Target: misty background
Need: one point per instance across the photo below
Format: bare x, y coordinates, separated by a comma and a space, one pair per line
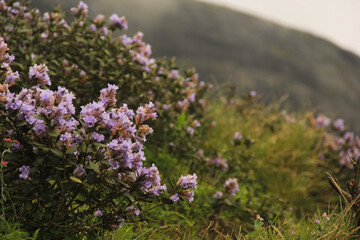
250, 53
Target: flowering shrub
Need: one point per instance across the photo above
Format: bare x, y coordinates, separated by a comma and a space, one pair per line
78, 169
84, 57
341, 146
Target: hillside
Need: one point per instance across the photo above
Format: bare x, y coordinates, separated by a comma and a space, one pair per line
229, 46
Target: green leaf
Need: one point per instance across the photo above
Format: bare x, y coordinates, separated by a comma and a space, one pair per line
94, 166
75, 179
54, 133
181, 120
129, 196
57, 152
110, 181
100, 145
22, 123
36, 234
39, 117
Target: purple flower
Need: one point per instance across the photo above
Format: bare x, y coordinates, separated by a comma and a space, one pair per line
188, 195
40, 128
118, 21
99, 18
326, 216
339, 124
150, 180
63, 23
67, 140
89, 121
98, 213
195, 124
45, 35
191, 97
93, 27
237, 136
174, 198
231, 186
39, 72
317, 221
174, 74
218, 195
11, 77
98, 137
252, 94
133, 211
322, 121
114, 164
190, 130
108, 95
79, 171
81, 9
220, 162
182, 105
166, 107
145, 113
104, 31
25, 172
17, 147
188, 181
157, 190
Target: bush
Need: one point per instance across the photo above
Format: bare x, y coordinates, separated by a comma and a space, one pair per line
80, 171
84, 57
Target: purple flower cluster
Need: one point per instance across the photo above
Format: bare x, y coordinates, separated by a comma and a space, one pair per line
145, 113
188, 181
108, 95
5, 58
81, 9
39, 72
149, 179
98, 213
56, 106
339, 125
218, 195
185, 183
25, 172
139, 51
344, 143
231, 186
237, 136
174, 197
119, 22
322, 121
79, 171
220, 162
132, 211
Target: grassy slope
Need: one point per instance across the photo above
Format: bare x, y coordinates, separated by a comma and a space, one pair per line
281, 167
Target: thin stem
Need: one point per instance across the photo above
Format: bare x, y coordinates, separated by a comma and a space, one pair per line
160, 204
2, 181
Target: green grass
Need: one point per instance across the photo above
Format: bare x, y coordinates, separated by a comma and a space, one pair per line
279, 172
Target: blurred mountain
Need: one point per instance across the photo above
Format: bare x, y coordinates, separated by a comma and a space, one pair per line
249, 52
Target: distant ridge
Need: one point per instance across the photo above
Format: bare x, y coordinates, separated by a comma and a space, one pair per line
251, 53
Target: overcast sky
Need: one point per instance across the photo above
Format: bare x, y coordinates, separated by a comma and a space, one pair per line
336, 20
